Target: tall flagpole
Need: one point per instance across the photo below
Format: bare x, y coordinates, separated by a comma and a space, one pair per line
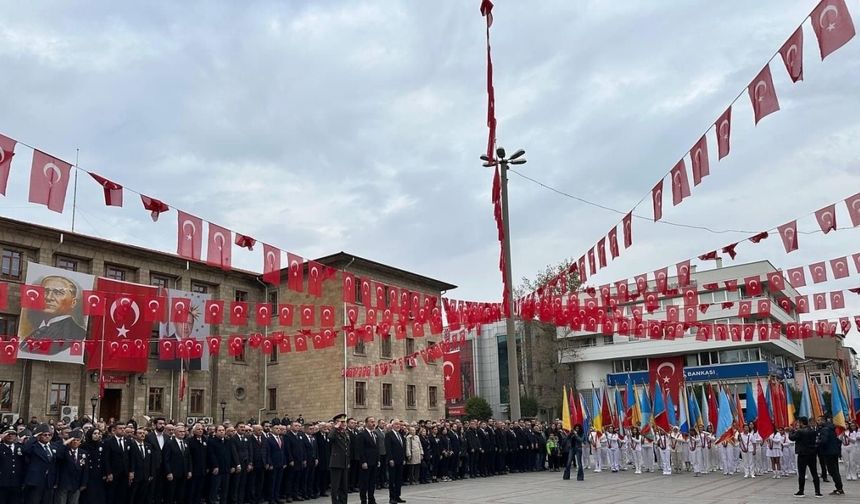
75, 191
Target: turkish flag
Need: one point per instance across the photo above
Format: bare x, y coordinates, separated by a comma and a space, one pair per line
736, 331
802, 304
601, 252
792, 330
690, 315
7, 151
213, 343
657, 200
620, 292
796, 277
763, 95
583, 276
709, 256
315, 278
792, 55
352, 314
837, 300
826, 218
255, 340
9, 351
155, 309
348, 287
179, 309
295, 278
819, 301
703, 332
788, 233
245, 241
417, 330
627, 224
452, 373
745, 309
112, 190
818, 272
236, 346
775, 281
853, 204
393, 298
364, 285
284, 344
832, 25
307, 315
753, 285
845, 324
370, 316
189, 236
839, 266
123, 321
32, 297
272, 265
724, 131
49, 180
94, 303
592, 264
266, 347
263, 314
730, 250
691, 296
301, 343
764, 307
218, 250
214, 312
682, 270
641, 283
661, 277
671, 313
327, 316
667, 373
156, 207
238, 313
680, 183
763, 332
699, 160
167, 349
285, 314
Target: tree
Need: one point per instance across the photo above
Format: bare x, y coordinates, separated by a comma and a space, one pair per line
477, 408
528, 406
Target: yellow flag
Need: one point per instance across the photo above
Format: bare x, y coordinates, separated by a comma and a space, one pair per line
565, 410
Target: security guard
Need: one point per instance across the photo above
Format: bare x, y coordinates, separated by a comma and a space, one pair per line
11, 468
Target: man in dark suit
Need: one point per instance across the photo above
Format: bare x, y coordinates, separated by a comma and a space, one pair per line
156, 439
218, 462
311, 460
280, 456
297, 464
141, 465
322, 474
41, 461
177, 467
395, 450
261, 462
338, 462
241, 445
11, 468
382, 474
352, 429
367, 449
198, 447
473, 446
72, 466
116, 465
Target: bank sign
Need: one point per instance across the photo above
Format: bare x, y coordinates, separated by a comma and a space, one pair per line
700, 373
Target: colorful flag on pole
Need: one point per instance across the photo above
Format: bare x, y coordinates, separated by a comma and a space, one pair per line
751, 412
565, 410
789, 404
661, 417
805, 401
724, 418
683, 410
838, 405
670, 411
764, 424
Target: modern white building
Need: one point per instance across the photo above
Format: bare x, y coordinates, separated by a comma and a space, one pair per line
613, 360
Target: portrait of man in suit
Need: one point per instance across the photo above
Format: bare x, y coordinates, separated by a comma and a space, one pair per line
57, 322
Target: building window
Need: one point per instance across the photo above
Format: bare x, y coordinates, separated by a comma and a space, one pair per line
410, 346
272, 399
273, 357
358, 299
154, 337
66, 263
272, 298
629, 365
360, 349
155, 402
196, 401
709, 358
430, 344
58, 397
6, 391
387, 390
8, 325
240, 295
115, 273
387, 298
162, 281
584, 342
410, 397
608, 340
385, 347
199, 288
240, 357
13, 261
433, 397
360, 394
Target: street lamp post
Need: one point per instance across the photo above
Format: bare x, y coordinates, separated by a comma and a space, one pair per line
513, 364
94, 400
223, 408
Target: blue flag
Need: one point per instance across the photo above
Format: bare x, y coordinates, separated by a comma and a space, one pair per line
752, 412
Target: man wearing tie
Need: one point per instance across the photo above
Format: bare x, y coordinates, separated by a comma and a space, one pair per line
73, 467
297, 464
141, 466
261, 461
41, 467
279, 455
11, 468
395, 450
177, 467
116, 465
156, 440
368, 458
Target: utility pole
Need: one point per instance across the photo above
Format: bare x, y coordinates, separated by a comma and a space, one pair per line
510, 328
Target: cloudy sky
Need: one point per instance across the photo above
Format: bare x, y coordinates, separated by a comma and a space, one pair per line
322, 126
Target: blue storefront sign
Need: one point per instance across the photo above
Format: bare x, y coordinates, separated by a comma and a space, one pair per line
621, 379
726, 371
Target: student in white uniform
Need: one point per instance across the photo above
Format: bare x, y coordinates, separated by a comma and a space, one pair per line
634, 442
676, 441
696, 453
648, 454
758, 459
613, 444
850, 447
711, 455
726, 450
594, 442
665, 450
624, 456
747, 447
774, 453
789, 461
603, 449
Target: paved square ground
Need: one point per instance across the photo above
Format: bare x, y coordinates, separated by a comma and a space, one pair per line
624, 487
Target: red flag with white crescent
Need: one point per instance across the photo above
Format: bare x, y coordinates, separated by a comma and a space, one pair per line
657, 200
348, 281
49, 181
7, 151
112, 190
179, 308
627, 224
826, 218
189, 236
699, 160
124, 320
238, 313
9, 351
214, 311
154, 206
792, 55
32, 297
271, 265
285, 314
839, 266
724, 132
451, 373
763, 94
219, 251
788, 233
94, 303
832, 25
680, 183
853, 204
315, 278
263, 314
295, 280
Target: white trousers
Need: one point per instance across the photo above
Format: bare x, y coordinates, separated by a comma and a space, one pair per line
637, 460
666, 460
748, 465
615, 459
648, 458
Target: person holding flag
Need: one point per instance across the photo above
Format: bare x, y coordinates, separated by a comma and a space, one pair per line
613, 443
663, 447
789, 464
748, 447
649, 455
696, 456
635, 441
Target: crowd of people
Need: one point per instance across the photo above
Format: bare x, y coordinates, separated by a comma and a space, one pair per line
284, 460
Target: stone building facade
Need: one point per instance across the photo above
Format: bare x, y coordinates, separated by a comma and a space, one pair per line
251, 386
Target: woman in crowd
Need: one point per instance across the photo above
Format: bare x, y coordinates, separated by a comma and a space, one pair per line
95, 453
426, 455
774, 453
443, 447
